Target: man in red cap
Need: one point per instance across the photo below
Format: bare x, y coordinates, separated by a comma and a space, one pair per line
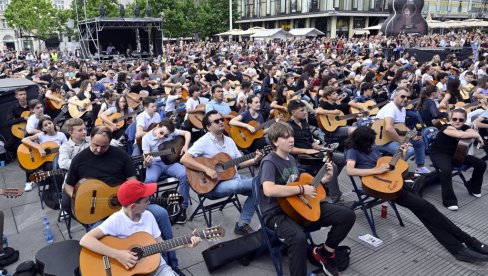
133, 195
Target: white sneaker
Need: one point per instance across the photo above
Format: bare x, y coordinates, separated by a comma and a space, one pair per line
453, 208
28, 186
476, 195
422, 170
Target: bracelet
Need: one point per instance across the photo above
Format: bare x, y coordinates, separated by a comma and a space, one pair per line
302, 190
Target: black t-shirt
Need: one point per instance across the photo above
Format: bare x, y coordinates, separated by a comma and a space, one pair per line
444, 143
280, 171
333, 106
138, 88
303, 136
209, 77
112, 167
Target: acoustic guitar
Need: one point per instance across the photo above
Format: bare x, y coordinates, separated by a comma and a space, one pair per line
244, 138
382, 137
371, 106
197, 117
30, 158
42, 175
468, 107
184, 91
462, 149
223, 164
330, 123
134, 99
169, 151
18, 130
405, 16
75, 111
227, 119
11, 192
117, 118
388, 185
93, 200
142, 243
292, 96
54, 105
302, 208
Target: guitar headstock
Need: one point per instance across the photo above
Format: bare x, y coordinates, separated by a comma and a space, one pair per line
174, 198
267, 149
11, 192
212, 233
38, 176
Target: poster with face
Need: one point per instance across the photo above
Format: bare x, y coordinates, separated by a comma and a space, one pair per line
405, 17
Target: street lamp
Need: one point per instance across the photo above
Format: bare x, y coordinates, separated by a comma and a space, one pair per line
230, 19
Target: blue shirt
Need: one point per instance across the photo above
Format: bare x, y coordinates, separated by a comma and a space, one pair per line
222, 108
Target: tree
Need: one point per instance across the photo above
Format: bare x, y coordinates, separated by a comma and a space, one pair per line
92, 8
213, 16
35, 17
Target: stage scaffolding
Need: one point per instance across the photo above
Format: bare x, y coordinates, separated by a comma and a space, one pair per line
90, 29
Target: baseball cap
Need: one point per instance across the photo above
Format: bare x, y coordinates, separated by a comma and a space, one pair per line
133, 190
181, 69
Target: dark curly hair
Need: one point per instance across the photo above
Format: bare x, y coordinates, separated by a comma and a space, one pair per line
362, 139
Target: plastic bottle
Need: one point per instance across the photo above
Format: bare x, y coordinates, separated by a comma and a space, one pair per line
48, 234
384, 210
5, 241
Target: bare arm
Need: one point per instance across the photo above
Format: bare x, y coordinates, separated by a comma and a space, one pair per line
390, 129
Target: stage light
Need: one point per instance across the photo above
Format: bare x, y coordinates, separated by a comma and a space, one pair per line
101, 10
136, 10
121, 10
148, 11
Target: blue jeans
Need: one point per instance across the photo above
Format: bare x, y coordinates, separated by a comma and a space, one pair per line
238, 185
418, 149
177, 170
162, 219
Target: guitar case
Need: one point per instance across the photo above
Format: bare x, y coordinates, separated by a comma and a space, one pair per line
243, 249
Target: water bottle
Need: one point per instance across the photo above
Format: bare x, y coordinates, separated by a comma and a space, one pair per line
48, 234
5, 241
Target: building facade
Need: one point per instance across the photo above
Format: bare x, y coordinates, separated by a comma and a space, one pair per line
341, 17
10, 39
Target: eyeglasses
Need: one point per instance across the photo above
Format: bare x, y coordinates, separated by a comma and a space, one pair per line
461, 120
405, 96
218, 121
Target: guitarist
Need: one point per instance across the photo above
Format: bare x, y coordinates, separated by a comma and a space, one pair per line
280, 168
145, 119
85, 93
443, 149
212, 143
395, 112
361, 157
155, 167
37, 112
113, 166
123, 109
132, 218
329, 106
191, 105
14, 116
252, 114
304, 144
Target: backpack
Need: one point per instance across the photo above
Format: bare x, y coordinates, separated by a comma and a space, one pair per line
27, 268
9, 257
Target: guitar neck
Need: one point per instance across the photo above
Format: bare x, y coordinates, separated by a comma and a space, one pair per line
239, 160
166, 245
377, 105
318, 177
265, 125
161, 152
126, 116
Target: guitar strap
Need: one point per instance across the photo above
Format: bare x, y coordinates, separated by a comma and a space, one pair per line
106, 264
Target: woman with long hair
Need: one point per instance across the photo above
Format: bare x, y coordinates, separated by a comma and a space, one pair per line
427, 107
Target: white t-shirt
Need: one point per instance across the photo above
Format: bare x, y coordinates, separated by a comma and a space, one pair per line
144, 120
121, 226
392, 111
59, 138
171, 103
150, 143
192, 104
33, 122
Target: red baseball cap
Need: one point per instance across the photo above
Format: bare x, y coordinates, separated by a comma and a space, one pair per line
133, 190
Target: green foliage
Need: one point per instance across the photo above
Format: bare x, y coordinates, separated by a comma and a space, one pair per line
37, 17
91, 7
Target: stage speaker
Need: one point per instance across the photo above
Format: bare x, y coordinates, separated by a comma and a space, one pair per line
148, 11
136, 10
121, 10
101, 10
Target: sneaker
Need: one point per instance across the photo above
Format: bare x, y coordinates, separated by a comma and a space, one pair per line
328, 263
181, 219
477, 246
243, 230
475, 195
422, 170
179, 272
28, 186
470, 256
453, 208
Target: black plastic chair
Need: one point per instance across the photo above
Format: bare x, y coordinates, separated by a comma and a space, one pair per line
207, 209
366, 203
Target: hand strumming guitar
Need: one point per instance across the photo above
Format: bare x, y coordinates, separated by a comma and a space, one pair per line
127, 258
381, 169
310, 191
211, 173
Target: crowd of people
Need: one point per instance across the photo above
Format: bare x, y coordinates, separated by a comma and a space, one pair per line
306, 94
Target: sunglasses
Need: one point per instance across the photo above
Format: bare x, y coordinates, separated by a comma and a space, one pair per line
218, 121
461, 120
405, 96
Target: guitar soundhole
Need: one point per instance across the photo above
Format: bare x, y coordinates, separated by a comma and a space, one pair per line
219, 167
114, 202
138, 251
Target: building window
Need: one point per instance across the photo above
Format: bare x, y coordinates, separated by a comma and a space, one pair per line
59, 4
3, 5
4, 24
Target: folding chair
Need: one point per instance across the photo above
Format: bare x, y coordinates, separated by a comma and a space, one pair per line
206, 209
274, 245
366, 202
